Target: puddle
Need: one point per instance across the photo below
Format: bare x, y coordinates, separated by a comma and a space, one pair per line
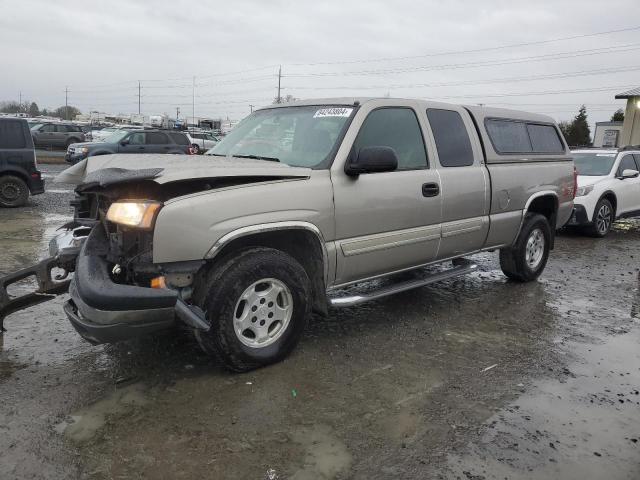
583, 425
325, 456
86, 423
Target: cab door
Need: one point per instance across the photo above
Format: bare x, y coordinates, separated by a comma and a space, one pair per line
465, 184
628, 189
387, 221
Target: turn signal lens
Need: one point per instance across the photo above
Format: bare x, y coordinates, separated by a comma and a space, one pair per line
158, 282
134, 214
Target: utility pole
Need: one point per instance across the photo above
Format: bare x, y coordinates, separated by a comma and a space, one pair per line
139, 96
193, 104
279, 100
177, 113
66, 103
251, 107
20, 102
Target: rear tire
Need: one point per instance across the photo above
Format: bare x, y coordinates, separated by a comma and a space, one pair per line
195, 148
13, 191
257, 305
526, 259
603, 217
71, 141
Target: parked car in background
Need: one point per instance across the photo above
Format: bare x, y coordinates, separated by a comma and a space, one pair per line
243, 246
56, 134
608, 188
19, 175
201, 141
131, 141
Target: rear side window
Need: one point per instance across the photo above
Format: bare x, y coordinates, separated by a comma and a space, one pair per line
179, 138
544, 138
452, 139
12, 134
397, 128
508, 136
156, 138
62, 129
48, 128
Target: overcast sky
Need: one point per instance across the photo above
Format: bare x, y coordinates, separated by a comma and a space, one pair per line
326, 48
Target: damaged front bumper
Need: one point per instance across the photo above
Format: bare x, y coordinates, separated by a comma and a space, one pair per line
101, 310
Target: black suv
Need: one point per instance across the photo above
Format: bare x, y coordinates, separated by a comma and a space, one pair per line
132, 141
56, 134
18, 172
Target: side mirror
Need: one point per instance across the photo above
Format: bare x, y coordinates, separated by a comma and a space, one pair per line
124, 142
629, 173
372, 160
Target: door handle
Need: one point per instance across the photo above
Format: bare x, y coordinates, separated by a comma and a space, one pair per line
430, 189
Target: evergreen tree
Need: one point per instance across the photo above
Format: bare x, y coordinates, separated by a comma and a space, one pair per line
618, 116
34, 111
580, 133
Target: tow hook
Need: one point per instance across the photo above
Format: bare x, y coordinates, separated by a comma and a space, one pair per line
48, 287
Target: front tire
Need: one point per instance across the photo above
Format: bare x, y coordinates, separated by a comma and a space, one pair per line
603, 217
13, 191
257, 305
526, 259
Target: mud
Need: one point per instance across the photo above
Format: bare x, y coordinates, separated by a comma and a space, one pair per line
399, 388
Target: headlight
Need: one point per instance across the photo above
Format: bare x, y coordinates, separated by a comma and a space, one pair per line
84, 149
138, 214
582, 191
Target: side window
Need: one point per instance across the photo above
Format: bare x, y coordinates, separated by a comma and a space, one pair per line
11, 134
62, 129
627, 163
452, 138
179, 138
544, 138
397, 128
136, 138
49, 128
508, 136
156, 138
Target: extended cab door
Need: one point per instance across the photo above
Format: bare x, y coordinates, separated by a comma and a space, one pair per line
386, 221
464, 181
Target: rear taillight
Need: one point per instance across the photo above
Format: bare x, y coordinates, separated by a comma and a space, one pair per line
575, 181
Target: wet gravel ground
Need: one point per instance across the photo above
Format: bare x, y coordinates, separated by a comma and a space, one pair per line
474, 378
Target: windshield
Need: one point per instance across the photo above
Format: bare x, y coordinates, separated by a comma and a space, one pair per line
594, 163
116, 137
297, 136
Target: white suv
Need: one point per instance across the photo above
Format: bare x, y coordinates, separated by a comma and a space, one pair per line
608, 188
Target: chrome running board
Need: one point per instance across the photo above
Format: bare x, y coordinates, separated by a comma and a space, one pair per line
461, 267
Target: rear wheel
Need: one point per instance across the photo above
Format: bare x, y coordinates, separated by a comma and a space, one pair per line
526, 259
603, 217
257, 305
195, 148
71, 141
13, 191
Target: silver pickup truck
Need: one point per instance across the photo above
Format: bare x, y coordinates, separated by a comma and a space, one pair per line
297, 202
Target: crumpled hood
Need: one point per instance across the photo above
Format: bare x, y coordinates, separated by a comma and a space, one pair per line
162, 168
584, 180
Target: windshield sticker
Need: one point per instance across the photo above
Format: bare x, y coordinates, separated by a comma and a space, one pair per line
333, 112
605, 154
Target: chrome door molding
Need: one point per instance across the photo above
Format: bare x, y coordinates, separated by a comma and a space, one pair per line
386, 240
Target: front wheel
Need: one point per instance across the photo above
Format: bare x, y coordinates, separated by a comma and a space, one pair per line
526, 259
602, 219
13, 191
257, 305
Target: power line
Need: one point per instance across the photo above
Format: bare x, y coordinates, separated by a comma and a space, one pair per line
483, 63
551, 76
475, 50
548, 92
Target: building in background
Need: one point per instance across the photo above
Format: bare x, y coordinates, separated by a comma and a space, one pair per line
607, 134
631, 128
